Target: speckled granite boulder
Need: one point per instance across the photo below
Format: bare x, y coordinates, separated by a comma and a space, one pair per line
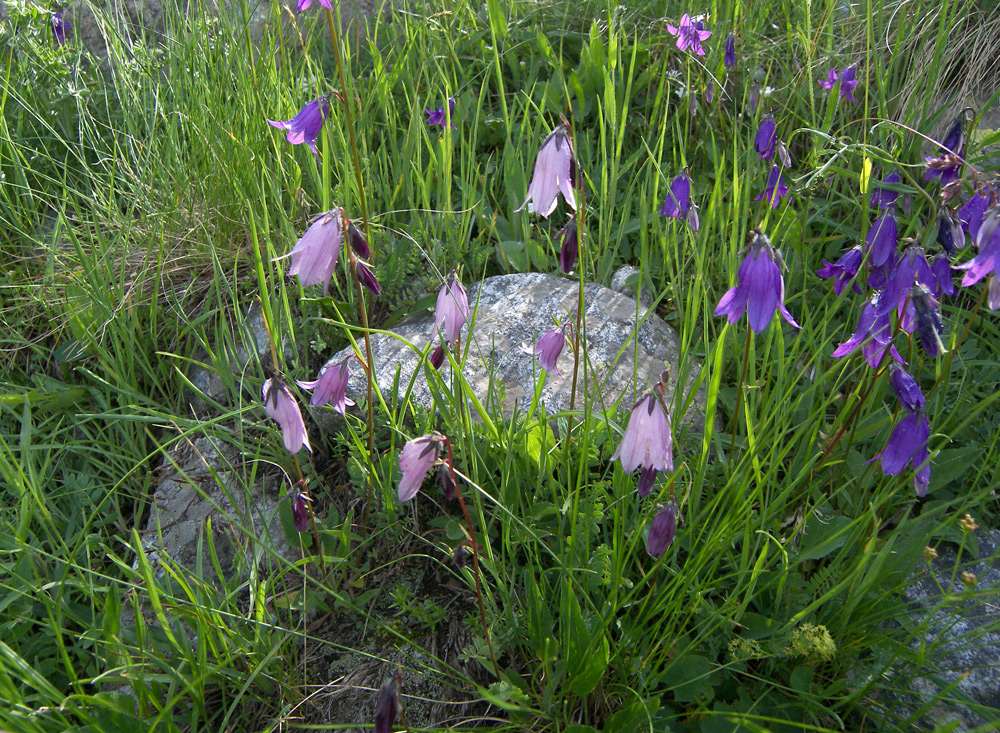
960, 628
510, 310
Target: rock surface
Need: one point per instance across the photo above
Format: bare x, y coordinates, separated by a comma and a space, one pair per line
511, 310
960, 627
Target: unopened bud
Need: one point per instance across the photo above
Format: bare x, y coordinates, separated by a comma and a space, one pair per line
930, 554
968, 524
969, 579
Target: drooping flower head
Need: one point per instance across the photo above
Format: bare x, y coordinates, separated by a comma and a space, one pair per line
647, 442
315, 254
438, 117
662, 530
907, 390
570, 247
908, 445
776, 188
280, 406
548, 348
729, 58
760, 290
358, 242
416, 460
925, 308
882, 238
883, 198
306, 125
452, 310
844, 270
304, 4
911, 267
950, 232
766, 137
365, 274
555, 173
873, 335
300, 508
679, 197
689, 35
987, 262
60, 27
848, 83
947, 164
388, 701
331, 386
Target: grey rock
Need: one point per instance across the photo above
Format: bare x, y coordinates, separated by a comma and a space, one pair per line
202, 483
961, 628
511, 310
620, 284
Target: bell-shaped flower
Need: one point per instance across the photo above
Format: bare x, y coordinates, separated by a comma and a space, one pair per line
883, 198
844, 270
416, 460
647, 441
760, 289
280, 406
776, 188
315, 254
766, 137
882, 238
452, 309
943, 282
911, 267
304, 4
331, 386
830, 81
907, 445
306, 125
950, 234
925, 309
689, 35
873, 335
907, 390
662, 530
548, 348
848, 83
971, 214
438, 117
60, 27
555, 173
729, 57
678, 198
987, 240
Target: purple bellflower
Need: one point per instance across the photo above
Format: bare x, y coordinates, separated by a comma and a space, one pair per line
729, 57
304, 4
848, 83
306, 125
358, 242
60, 27
315, 254
678, 200
882, 238
555, 173
766, 137
987, 262
331, 386
452, 310
873, 335
548, 348
300, 510
662, 530
925, 308
971, 214
760, 290
908, 445
843, 271
647, 442
830, 81
948, 162
280, 406
911, 267
907, 390
416, 460
776, 188
883, 198
388, 700
943, 282
689, 35
950, 234
438, 117
570, 247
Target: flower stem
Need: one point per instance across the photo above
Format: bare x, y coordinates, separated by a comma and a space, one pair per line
739, 400
475, 560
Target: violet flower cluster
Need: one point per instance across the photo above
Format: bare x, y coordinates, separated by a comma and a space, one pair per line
907, 444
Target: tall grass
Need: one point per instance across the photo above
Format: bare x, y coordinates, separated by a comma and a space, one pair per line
144, 202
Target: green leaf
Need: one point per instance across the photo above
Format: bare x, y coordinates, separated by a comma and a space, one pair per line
823, 536
691, 678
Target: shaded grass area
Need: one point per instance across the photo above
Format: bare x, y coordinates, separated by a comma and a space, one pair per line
143, 204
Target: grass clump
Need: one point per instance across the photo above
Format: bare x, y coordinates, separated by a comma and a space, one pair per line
146, 220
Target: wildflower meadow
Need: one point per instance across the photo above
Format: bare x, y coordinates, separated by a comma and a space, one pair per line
210, 213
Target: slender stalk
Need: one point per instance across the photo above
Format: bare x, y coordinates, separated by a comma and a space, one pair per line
475, 560
739, 400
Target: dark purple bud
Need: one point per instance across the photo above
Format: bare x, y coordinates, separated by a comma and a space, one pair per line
729, 58
971, 215
569, 248
460, 556
388, 704
928, 320
300, 512
358, 242
955, 138
678, 198
783, 156
661, 532
710, 92
646, 480
446, 482
943, 282
906, 388
366, 276
883, 198
437, 357
692, 218
882, 238
767, 136
950, 234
